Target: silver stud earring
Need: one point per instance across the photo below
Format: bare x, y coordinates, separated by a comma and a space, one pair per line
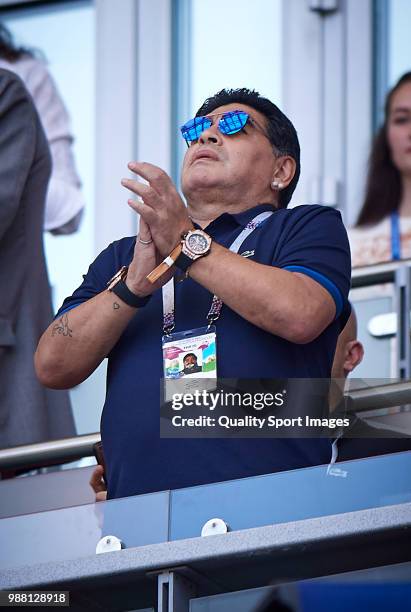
275, 185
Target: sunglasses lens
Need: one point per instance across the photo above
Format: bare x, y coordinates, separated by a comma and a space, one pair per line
194, 128
231, 123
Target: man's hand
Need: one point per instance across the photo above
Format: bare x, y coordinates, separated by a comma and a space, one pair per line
72, 348
161, 207
146, 257
97, 483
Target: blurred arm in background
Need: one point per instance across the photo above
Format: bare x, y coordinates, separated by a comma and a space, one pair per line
64, 203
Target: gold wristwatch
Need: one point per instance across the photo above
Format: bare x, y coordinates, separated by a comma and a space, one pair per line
194, 244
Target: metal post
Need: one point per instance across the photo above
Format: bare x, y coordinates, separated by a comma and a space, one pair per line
174, 592
403, 298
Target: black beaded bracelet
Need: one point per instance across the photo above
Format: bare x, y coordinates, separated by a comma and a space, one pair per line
130, 298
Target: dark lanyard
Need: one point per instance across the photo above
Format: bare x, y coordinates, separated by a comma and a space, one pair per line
395, 237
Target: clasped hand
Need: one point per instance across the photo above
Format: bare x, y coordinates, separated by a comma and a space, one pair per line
163, 218
160, 206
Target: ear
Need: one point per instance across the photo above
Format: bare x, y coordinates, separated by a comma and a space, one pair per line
284, 170
354, 353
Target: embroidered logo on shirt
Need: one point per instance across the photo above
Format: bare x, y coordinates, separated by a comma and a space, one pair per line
253, 224
247, 254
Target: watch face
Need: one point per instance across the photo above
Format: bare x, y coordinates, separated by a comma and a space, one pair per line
197, 243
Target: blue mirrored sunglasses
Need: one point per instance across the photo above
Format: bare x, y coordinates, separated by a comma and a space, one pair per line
230, 123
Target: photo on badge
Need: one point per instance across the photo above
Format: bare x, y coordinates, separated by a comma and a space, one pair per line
190, 353
190, 356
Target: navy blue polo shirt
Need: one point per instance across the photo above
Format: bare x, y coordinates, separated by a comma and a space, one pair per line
308, 239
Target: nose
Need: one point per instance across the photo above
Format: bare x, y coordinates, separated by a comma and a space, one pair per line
211, 134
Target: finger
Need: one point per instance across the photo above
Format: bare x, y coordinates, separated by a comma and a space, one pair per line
101, 496
144, 231
96, 479
98, 486
157, 178
146, 212
97, 472
144, 191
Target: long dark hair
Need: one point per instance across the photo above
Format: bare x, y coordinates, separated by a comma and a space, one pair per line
8, 50
383, 188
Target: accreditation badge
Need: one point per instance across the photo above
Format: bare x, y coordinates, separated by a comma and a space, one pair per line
189, 361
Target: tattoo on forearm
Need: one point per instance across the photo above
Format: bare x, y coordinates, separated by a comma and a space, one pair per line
62, 327
116, 306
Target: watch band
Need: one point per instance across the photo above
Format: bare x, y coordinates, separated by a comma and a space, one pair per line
165, 264
130, 298
119, 287
183, 262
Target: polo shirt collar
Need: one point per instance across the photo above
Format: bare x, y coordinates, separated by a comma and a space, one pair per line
246, 216
240, 219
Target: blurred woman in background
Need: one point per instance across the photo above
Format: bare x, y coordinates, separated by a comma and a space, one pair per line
29, 413
383, 229
64, 204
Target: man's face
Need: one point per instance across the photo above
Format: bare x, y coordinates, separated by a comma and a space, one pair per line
242, 162
190, 361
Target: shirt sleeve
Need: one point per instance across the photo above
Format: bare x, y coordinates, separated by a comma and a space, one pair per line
315, 243
65, 200
94, 282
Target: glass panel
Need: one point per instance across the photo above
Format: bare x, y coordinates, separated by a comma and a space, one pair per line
72, 533
392, 48
223, 44
379, 353
240, 601
399, 41
288, 496
220, 57
319, 595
